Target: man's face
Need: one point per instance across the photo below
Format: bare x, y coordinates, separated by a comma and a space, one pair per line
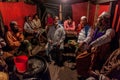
83, 21
100, 21
56, 20
36, 17
15, 28
48, 15
30, 18
69, 20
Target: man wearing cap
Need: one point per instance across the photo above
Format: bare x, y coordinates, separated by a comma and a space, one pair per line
15, 38
100, 43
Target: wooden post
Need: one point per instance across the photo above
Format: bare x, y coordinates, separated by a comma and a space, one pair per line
104, 1
115, 16
118, 25
96, 13
112, 11
88, 10
21, 0
60, 11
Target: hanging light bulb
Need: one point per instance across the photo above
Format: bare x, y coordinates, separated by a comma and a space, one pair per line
64, 1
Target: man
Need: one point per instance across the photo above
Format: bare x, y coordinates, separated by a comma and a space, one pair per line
32, 29
56, 36
29, 27
3, 65
36, 21
69, 25
85, 35
99, 45
15, 39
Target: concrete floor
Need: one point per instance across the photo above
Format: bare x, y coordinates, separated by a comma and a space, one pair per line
62, 73
56, 72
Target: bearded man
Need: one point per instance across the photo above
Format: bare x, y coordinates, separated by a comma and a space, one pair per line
99, 45
15, 39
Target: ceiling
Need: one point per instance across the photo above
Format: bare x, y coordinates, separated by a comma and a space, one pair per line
59, 1
71, 1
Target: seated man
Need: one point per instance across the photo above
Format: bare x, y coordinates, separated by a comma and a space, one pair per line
100, 42
3, 65
69, 26
15, 38
4, 56
32, 29
36, 21
48, 21
85, 35
41, 34
29, 27
56, 36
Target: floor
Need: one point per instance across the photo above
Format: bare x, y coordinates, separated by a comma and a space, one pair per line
62, 73
56, 72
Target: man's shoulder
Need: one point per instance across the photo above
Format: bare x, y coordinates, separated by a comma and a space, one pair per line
88, 25
8, 33
60, 26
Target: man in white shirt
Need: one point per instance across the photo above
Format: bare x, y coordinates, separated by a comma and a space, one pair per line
56, 36
85, 35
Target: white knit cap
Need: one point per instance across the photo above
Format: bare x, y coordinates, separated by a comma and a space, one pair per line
83, 17
105, 14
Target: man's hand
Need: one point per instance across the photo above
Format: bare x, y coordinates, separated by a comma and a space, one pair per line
93, 49
81, 44
50, 41
58, 44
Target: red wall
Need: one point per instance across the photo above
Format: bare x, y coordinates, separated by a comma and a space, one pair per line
79, 10
119, 7
16, 11
103, 8
91, 14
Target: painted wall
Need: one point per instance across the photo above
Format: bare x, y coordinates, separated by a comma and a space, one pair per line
81, 9
16, 11
78, 10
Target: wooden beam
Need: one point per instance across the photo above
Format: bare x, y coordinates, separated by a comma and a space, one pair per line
52, 4
60, 12
115, 17
112, 11
47, 6
96, 13
88, 10
118, 25
104, 1
21, 0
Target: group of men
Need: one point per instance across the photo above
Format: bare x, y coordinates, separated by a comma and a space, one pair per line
96, 40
